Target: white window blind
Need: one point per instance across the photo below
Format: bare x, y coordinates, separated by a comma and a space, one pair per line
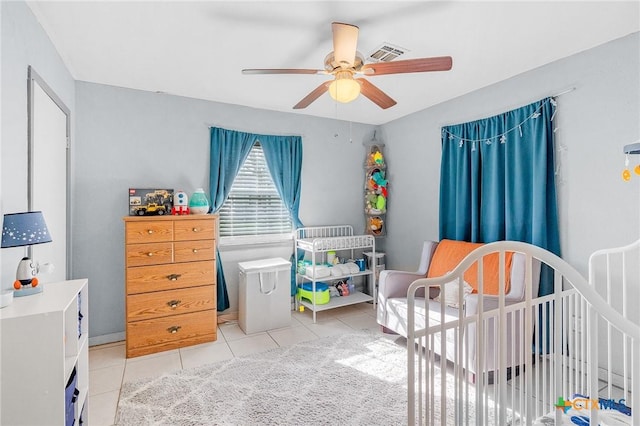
254, 206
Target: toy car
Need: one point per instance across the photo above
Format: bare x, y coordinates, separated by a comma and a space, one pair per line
149, 209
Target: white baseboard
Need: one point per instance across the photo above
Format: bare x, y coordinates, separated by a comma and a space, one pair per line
106, 338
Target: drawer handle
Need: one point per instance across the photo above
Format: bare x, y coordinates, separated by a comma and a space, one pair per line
195, 250
173, 277
150, 231
174, 303
174, 329
195, 229
150, 254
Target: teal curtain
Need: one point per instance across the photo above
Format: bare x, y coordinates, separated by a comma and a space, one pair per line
229, 150
284, 158
498, 180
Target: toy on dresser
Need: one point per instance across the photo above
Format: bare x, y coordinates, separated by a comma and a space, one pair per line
180, 203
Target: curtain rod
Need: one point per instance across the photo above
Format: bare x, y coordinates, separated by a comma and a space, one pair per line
564, 92
209, 125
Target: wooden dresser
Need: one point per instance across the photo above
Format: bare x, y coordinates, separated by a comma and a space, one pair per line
170, 282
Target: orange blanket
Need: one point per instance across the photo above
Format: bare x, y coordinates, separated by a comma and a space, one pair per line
449, 253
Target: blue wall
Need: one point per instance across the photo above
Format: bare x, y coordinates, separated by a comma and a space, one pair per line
597, 209
130, 138
125, 138
24, 43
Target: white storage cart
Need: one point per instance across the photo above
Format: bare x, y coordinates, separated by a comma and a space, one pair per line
264, 295
317, 241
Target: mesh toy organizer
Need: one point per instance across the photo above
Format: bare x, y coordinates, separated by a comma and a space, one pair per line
375, 189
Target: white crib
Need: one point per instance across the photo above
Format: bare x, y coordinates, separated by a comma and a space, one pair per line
565, 380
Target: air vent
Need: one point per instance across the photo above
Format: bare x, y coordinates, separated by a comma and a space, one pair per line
386, 52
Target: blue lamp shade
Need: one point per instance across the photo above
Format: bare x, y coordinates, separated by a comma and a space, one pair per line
24, 229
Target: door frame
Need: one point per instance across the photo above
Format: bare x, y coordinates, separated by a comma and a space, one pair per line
34, 78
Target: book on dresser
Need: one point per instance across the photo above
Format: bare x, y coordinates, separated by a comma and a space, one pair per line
170, 282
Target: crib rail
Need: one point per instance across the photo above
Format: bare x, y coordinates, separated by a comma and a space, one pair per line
311, 232
615, 275
496, 362
337, 243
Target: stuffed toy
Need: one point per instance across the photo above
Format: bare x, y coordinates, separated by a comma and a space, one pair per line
372, 199
377, 158
378, 178
375, 224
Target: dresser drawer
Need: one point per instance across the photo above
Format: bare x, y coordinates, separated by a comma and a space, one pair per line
191, 251
160, 331
171, 302
197, 229
149, 231
145, 279
149, 254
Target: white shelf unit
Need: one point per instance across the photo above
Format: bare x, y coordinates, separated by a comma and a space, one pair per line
43, 339
317, 241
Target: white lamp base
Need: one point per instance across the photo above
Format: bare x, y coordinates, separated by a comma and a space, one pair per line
27, 291
6, 297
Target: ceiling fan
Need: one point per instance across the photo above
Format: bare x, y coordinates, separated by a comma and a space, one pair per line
345, 62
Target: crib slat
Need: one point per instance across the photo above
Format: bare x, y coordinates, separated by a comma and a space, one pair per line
566, 350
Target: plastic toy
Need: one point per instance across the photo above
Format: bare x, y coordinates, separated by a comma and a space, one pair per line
626, 173
149, 209
321, 295
342, 287
180, 203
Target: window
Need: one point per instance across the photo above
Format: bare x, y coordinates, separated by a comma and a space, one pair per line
254, 206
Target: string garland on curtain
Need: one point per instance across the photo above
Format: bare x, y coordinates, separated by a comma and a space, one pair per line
502, 137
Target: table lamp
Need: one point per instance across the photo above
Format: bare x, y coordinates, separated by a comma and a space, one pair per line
24, 230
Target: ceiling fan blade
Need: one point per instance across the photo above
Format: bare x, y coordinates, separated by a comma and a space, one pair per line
345, 42
376, 95
439, 63
315, 94
281, 71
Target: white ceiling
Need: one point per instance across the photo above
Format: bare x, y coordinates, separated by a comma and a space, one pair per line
198, 49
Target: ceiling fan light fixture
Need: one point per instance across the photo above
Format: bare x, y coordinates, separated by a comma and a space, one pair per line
344, 88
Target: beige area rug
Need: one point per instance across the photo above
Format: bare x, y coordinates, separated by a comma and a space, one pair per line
352, 379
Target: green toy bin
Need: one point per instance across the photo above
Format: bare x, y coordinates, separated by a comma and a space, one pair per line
322, 294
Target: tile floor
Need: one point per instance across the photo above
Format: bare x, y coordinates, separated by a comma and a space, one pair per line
109, 369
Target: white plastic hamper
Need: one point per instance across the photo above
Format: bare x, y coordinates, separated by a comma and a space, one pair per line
264, 295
